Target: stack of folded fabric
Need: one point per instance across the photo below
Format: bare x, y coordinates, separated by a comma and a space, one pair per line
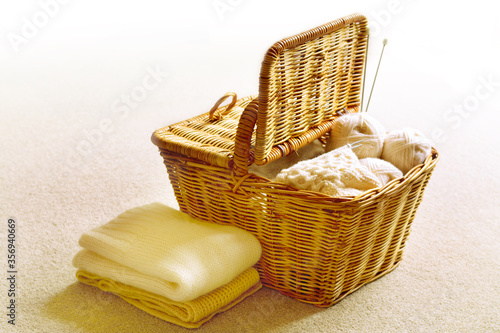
170, 265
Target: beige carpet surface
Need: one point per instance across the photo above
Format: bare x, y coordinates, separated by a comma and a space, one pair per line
81, 97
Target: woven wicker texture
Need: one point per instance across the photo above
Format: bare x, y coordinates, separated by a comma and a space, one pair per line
306, 79
209, 137
316, 248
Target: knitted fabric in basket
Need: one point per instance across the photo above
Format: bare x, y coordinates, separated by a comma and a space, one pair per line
336, 173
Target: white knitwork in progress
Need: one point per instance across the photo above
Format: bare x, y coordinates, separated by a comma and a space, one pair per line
337, 173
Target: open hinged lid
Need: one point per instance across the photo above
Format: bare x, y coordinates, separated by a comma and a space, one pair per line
305, 82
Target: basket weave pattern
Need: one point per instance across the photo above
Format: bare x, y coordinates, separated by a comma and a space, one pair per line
316, 248
306, 79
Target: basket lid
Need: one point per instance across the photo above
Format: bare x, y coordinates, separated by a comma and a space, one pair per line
307, 79
305, 82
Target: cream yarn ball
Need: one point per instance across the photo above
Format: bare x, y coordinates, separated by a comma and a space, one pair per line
406, 148
384, 170
355, 127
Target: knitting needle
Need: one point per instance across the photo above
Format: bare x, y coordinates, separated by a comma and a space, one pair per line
354, 145
384, 42
364, 72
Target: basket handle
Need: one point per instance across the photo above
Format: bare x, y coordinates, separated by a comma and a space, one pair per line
242, 152
214, 114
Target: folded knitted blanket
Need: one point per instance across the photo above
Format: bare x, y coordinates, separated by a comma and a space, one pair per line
191, 314
335, 173
166, 252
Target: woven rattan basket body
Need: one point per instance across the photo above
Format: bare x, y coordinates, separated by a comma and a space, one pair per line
316, 248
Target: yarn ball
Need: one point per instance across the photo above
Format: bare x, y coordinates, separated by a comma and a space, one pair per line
406, 148
356, 127
384, 170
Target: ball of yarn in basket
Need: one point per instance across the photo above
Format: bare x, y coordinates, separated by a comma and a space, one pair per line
384, 170
356, 127
406, 148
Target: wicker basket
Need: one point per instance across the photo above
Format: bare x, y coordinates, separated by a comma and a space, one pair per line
316, 248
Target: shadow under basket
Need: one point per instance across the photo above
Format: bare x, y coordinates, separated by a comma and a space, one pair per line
316, 248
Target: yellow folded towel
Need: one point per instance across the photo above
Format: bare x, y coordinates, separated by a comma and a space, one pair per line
190, 257
191, 314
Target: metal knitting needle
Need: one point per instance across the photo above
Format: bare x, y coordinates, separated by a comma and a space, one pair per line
354, 145
384, 42
364, 72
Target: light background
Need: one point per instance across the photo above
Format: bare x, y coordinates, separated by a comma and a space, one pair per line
90, 53
440, 74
